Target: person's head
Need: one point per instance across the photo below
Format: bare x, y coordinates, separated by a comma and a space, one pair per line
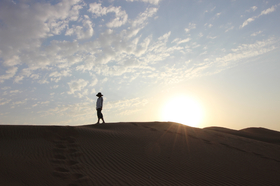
99, 94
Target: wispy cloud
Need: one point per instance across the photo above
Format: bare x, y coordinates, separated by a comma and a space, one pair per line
256, 33
76, 85
82, 32
252, 9
155, 2
9, 74
4, 101
121, 16
264, 12
190, 27
245, 51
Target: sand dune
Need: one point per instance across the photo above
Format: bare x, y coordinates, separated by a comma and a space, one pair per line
156, 153
261, 134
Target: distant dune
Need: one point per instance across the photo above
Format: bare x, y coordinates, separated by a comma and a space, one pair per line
261, 134
155, 153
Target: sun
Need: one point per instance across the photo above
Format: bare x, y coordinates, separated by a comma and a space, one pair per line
183, 109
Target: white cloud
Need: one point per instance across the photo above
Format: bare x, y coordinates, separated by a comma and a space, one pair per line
56, 76
209, 25
256, 33
209, 66
19, 102
98, 10
104, 80
93, 82
264, 12
55, 86
15, 91
180, 41
63, 54
34, 76
246, 51
211, 37
253, 8
251, 19
5, 88
43, 81
82, 32
26, 24
140, 22
84, 93
142, 17
9, 74
5, 101
155, 2
76, 85
269, 10
190, 27
187, 30
232, 27
26, 72
45, 102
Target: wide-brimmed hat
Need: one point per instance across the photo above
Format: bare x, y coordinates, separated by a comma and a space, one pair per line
99, 94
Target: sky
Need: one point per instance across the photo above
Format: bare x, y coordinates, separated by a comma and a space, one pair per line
55, 56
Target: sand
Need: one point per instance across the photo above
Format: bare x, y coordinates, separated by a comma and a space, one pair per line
155, 153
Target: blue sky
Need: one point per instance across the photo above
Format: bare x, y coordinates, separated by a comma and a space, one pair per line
55, 56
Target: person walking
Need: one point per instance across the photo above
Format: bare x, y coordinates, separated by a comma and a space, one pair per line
99, 105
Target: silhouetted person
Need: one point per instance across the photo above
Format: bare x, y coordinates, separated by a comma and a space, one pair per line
99, 105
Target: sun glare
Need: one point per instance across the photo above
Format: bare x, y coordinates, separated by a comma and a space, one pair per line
184, 110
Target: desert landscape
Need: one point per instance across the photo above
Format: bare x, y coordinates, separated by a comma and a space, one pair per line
148, 153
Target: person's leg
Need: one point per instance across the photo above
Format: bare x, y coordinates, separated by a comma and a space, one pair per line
101, 116
98, 115
103, 120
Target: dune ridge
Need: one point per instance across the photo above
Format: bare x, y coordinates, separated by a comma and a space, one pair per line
137, 153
